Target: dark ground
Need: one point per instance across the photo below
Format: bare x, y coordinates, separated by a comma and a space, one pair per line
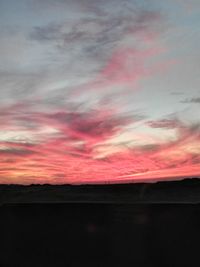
185, 191
101, 233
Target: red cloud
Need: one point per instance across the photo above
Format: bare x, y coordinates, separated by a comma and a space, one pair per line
71, 155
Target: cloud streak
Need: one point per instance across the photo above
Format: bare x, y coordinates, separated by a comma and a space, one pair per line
80, 149
195, 100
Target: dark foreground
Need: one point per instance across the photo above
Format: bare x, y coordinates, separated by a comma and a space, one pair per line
98, 235
138, 225
185, 191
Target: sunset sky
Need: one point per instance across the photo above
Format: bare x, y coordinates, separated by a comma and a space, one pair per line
99, 91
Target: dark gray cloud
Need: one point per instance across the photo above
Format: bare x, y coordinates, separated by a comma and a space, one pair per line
47, 33
164, 123
195, 100
16, 152
97, 36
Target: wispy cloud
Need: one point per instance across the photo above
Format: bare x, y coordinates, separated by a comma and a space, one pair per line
76, 80
80, 148
165, 124
195, 100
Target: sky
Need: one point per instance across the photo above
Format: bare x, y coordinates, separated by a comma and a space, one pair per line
100, 91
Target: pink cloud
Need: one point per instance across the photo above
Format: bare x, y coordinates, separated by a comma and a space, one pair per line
125, 67
70, 154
